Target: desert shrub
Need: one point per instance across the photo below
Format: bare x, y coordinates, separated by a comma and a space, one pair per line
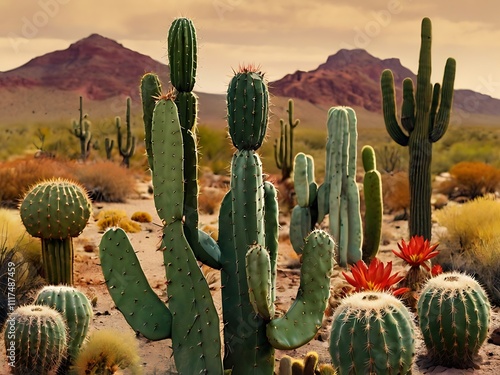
105, 181
108, 351
474, 179
396, 192
18, 175
116, 218
141, 217
389, 158
472, 240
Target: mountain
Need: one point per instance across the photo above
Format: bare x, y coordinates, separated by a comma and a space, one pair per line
96, 67
352, 78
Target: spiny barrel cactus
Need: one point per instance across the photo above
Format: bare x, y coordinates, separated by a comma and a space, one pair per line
56, 210
35, 340
372, 333
454, 316
425, 115
76, 310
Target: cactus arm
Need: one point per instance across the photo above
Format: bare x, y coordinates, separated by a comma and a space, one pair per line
208, 252
292, 125
389, 109
300, 227
182, 54
301, 180
436, 91
258, 269
140, 305
408, 107
271, 227
150, 89
443, 115
302, 321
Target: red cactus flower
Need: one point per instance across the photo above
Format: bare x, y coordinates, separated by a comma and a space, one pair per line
376, 277
417, 252
436, 270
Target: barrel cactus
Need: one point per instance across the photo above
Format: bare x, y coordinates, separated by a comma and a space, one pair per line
56, 210
454, 316
372, 333
76, 310
35, 339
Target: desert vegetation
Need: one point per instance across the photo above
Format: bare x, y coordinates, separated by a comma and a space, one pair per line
336, 211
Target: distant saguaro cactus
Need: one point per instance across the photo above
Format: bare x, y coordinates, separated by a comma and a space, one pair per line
425, 115
127, 150
283, 147
81, 130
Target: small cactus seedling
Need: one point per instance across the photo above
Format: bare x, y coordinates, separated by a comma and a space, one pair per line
35, 339
454, 317
372, 333
55, 211
76, 310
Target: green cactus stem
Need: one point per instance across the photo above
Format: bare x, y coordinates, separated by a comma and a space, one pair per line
283, 147
76, 310
150, 90
374, 206
424, 120
108, 146
126, 150
454, 316
55, 211
81, 130
35, 340
372, 333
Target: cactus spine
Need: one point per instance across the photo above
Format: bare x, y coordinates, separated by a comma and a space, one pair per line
372, 333
35, 339
56, 210
454, 315
81, 130
76, 310
424, 117
374, 207
283, 147
127, 150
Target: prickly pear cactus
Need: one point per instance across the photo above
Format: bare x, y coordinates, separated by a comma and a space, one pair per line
454, 316
56, 210
372, 333
35, 339
76, 310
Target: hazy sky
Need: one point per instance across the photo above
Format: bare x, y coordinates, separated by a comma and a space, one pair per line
280, 35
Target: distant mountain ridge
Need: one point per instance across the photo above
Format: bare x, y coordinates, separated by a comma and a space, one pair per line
104, 72
352, 78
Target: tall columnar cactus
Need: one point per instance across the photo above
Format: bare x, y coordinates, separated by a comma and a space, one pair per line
81, 130
454, 316
126, 150
55, 211
35, 340
425, 116
374, 206
338, 196
283, 147
76, 310
305, 213
372, 333
108, 146
246, 252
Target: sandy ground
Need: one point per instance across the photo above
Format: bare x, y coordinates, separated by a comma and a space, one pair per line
157, 356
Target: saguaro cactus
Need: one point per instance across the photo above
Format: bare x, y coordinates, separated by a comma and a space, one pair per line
246, 252
425, 116
126, 150
283, 147
56, 210
81, 130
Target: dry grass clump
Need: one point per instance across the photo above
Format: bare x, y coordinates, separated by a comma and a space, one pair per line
106, 181
107, 352
17, 176
472, 240
141, 217
209, 200
474, 179
116, 218
396, 192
